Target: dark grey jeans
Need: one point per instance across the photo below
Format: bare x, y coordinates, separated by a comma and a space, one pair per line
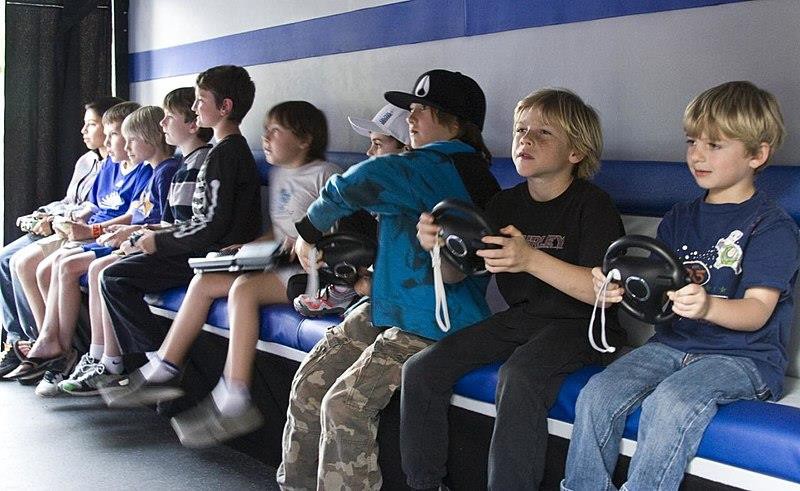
539, 354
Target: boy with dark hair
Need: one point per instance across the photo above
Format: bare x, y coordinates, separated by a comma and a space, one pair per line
226, 210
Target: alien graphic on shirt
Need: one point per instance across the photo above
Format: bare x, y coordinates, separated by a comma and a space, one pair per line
729, 253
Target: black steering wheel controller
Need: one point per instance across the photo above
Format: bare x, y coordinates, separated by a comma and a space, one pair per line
344, 254
646, 279
462, 227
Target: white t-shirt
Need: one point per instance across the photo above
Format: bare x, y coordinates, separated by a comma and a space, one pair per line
291, 192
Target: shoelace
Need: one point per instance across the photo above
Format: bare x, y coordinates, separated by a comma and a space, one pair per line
312, 287
85, 362
601, 298
442, 314
96, 369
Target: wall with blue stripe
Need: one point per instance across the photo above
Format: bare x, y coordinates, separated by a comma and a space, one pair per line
638, 62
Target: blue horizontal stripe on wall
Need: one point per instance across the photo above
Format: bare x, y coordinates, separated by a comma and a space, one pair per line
414, 21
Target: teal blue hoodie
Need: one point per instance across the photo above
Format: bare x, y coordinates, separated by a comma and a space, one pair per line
399, 188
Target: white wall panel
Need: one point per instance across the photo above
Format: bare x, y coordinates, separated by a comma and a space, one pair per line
638, 71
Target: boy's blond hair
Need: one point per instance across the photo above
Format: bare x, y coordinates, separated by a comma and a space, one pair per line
579, 121
739, 111
117, 113
145, 123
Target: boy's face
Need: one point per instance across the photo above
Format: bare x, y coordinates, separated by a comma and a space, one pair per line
205, 106
423, 127
282, 147
176, 130
381, 144
139, 150
115, 143
539, 149
722, 166
92, 130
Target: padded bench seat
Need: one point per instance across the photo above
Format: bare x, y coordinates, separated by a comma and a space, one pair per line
758, 436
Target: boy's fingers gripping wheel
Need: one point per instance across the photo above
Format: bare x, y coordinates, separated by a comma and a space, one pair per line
646, 279
462, 227
344, 254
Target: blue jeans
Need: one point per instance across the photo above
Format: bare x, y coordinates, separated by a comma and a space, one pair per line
17, 317
679, 394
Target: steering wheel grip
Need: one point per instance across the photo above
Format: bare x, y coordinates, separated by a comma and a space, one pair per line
646, 281
344, 254
463, 226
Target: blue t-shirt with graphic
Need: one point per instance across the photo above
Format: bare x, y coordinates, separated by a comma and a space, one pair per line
148, 208
728, 248
113, 192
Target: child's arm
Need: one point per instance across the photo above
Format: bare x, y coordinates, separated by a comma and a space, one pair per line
516, 256
743, 314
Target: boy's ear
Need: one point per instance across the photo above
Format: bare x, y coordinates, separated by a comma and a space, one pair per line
760, 156
193, 128
576, 157
226, 107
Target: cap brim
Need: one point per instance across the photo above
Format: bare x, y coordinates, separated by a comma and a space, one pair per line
404, 100
364, 126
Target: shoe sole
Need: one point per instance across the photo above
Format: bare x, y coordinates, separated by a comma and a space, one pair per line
191, 439
95, 392
303, 310
148, 398
51, 393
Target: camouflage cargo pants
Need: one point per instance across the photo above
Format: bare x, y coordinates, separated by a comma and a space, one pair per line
329, 441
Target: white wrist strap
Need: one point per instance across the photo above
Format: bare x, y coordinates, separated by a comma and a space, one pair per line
442, 315
601, 298
312, 286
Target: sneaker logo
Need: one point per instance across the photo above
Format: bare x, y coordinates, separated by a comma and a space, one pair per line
423, 86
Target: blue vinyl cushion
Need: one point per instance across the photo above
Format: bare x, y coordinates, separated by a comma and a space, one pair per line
760, 436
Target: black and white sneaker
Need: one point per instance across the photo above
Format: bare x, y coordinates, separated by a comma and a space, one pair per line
138, 391
9, 361
89, 383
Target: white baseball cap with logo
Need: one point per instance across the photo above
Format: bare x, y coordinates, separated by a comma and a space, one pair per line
390, 120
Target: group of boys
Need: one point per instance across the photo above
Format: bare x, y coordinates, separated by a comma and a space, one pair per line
555, 228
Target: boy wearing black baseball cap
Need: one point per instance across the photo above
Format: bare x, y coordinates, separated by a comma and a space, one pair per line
356, 368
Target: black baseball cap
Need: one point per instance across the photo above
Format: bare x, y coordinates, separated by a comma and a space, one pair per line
452, 92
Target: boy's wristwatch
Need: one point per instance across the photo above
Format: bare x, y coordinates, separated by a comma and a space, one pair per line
134, 237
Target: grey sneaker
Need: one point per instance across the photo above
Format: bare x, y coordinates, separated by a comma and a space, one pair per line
48, 386
137, 391
89, 383
83, 365
204, 425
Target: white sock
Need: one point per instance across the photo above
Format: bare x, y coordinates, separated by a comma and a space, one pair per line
151, 355
113, 364
231, 399
96, 351
340, 292
159, 371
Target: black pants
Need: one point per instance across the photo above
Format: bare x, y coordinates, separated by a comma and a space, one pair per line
540, 353
124, 285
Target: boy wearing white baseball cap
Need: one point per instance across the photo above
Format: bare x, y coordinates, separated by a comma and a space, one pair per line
388, 134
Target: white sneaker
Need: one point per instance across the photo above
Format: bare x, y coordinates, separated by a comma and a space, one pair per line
48, 386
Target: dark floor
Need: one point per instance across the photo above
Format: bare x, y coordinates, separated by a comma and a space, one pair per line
77, 443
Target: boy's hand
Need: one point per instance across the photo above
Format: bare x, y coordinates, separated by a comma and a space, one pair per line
147, 242
301, 248
514, 255
613, 292
117, 236
692, 301
427, 231
78, 231
43, 226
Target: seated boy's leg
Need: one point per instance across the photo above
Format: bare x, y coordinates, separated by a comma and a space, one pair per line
528, 384
123, 287
676, 414
427, 385
332, 355
602, 407
349, 413
11, 323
